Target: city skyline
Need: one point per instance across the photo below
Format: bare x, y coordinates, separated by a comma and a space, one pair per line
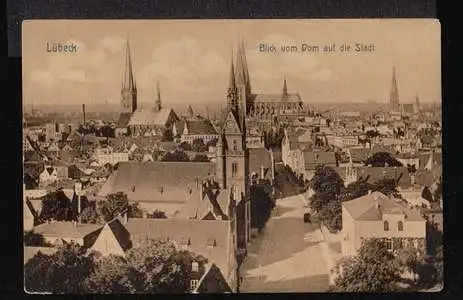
190, 60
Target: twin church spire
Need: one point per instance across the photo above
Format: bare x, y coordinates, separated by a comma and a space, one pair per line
129, 86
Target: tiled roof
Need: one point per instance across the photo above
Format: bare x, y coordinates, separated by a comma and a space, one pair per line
259, 157
158, 181
199, 126
123, 120
312, 159
375, 174
277, 98
151, 117
371, 207
66, 229
359, 154
199, 232
121, 233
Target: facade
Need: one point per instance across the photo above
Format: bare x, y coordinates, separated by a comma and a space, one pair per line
197, 128
378, 216
106, 155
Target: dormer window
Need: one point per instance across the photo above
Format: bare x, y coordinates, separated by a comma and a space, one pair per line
386, 226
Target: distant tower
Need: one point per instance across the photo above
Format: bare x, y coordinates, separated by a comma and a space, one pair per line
417, 104
190, 112
157, 103
284, 94
129, 88
394, 96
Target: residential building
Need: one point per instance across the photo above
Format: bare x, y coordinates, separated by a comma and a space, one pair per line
56, 233
196, 128
105, 155
378, 216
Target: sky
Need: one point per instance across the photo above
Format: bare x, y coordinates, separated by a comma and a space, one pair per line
191, 59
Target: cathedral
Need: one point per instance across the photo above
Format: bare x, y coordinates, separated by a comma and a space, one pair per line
401, 108
135, 121
282, 106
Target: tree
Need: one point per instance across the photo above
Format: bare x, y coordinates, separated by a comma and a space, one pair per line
157, 214
327, 185
356, 189
261, 205
115, 204
198, 145
426, 194
371, 133
185, 146
90, 215
167, 135
372, 270
34, 239
387, 186
57, 206
113, 275
163, 269
382, 159
331, 216
200, 158
176, 156
60, 273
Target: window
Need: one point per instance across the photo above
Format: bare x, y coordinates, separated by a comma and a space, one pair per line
386, 226
400, 226
194, 284
234, 169
194, 266
389, 244
235, 147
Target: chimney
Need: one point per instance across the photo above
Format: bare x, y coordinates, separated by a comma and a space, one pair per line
83, 112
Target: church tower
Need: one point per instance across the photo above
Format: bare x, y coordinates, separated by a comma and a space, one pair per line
157, 103
129, 88
394, 96
284, 94
243, 83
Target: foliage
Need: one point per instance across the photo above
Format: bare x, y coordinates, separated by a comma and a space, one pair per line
382, 159
114, 205
273, 138
426, 194
331, 216
212, 143
327, 186
57, 206
157, 214
287, 183
198, 145
185, 146
371, 134
176, 156
167, 135
113, 275
34, 239
200, 158
261, 205
90, 215
372, 270
61, 273
387, 186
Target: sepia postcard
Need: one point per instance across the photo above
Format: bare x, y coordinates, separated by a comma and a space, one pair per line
232, 156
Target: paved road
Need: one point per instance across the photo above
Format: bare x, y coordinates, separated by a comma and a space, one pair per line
288, 255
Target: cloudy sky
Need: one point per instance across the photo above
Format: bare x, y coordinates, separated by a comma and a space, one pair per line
191, 59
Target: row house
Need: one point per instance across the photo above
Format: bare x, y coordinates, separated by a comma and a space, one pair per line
105, 155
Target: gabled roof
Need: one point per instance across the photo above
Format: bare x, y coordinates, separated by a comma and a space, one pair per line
66, 229
259, 157
272, 98
151, 117
199, 126
158, 181
231, 124
371, 207
212, 281
199, 232
120, 233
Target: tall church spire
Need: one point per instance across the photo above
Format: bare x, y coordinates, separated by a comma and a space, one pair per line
285, 88
129, 88
158, 104
232, 91
394, 96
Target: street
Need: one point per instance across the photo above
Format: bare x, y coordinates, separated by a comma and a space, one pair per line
288, 255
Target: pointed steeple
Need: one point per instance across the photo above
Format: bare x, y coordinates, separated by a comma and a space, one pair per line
232, 90
158, 104
190, 111
242, 72
128, 81
285, 88
394, 96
